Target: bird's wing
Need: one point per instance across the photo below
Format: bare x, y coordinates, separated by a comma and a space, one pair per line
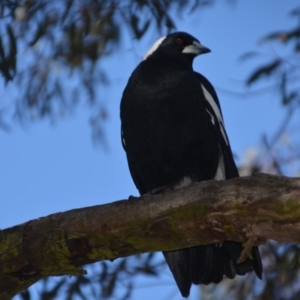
213, 108
135, 177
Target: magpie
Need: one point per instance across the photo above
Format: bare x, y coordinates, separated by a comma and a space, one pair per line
173, 134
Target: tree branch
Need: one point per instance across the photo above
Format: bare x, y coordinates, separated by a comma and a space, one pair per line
249, 209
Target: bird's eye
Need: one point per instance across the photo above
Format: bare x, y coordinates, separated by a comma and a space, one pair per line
179, 41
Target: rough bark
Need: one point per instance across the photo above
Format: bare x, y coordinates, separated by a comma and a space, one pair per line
249, 209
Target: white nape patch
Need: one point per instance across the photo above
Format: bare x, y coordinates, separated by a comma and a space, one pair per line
195, 48
216, 110
220, 174
211, 116
154, 47
185, 181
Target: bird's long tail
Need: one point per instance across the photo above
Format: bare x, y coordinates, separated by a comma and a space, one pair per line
208, 264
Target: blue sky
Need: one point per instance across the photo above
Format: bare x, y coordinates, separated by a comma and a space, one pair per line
48, 168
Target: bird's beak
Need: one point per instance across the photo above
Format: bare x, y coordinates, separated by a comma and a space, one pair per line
196, 48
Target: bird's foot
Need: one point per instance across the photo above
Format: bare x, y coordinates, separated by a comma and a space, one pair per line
247, 251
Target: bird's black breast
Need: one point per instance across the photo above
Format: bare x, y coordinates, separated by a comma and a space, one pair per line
166, 129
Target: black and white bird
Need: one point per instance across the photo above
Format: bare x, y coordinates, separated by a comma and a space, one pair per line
173, 134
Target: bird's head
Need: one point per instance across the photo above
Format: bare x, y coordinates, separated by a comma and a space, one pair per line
178, 44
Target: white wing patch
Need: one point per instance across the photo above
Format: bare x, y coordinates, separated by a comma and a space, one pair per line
220, 174
223, 133
211, 116
154, 47
216, 110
